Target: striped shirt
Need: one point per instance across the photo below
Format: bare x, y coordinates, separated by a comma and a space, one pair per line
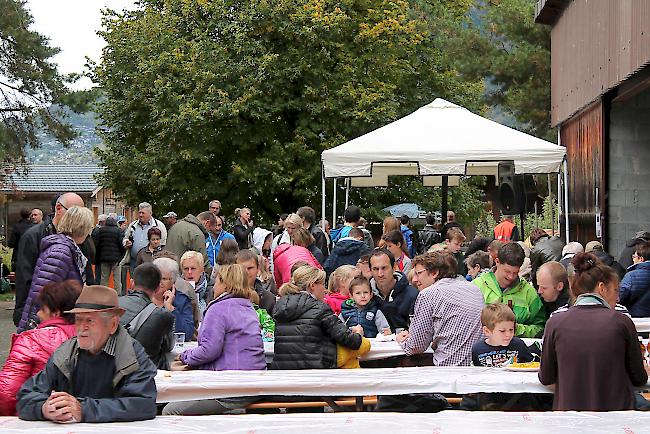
447, 318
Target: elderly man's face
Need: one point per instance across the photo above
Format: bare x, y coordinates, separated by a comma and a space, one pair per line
215, 207
144, 215
192, 271
36, 216
93, 330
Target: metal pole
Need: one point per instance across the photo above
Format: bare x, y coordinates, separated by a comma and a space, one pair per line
333, 225
557, 205
443, 207
550, 197
566, 199
347, 192
323, 204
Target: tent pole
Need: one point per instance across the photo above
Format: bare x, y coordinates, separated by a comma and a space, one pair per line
333, 225
323, 203
566, 199
550, 197
444, 207
558, 203
347, 192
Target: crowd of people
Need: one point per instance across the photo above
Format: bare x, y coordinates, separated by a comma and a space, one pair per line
84, 351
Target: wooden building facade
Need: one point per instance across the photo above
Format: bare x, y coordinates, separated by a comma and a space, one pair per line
600, 100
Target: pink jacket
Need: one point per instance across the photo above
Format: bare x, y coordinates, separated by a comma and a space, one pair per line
335, 300
284, 256
30, 351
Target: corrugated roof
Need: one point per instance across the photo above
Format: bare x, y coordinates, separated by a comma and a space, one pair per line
53, 179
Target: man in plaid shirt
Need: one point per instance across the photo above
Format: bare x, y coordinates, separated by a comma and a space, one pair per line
447, 312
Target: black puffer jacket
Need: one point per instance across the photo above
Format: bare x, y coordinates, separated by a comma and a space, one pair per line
306, 333
427, 237
546, 249
609, 260
109, 243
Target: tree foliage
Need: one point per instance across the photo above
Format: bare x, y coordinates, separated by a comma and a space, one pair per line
29, 84
504, 46
236, 100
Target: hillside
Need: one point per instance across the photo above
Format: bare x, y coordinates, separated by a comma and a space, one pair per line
80, 150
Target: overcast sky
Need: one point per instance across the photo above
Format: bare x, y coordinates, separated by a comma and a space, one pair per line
71, 26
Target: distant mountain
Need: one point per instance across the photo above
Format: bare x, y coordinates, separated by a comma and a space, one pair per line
80, 150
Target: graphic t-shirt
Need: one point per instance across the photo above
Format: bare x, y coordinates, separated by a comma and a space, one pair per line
484, 354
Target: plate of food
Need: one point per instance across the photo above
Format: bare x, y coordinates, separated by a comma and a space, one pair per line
523, 367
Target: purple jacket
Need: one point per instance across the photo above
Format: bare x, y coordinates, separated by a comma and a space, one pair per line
230, 338
56, 262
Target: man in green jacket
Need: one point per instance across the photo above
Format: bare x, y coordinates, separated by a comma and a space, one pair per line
503, 285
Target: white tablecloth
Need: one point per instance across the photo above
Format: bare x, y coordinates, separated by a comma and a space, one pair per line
190, 385
446, 422
642, 324
378, 350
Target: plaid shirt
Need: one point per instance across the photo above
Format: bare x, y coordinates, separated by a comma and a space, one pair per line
447, 318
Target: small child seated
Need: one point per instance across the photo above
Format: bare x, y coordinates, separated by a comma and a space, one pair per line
499, 346
362, 309
501, 343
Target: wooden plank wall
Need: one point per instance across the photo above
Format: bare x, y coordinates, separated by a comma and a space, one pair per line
584, 139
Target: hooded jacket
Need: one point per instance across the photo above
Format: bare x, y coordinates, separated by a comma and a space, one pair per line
230, 338
30, 351
57, 262
635, 290
306, 333
526, 304
284, 256
346, 251
188, 234
397, 306
334, 300
134, 396
109, 247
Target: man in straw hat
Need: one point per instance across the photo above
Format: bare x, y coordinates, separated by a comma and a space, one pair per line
101, 375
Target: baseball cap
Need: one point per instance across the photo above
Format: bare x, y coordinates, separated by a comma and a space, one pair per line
121, 219
642, 234
170, 214
593, 245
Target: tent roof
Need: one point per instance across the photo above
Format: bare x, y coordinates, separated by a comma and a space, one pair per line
441, 138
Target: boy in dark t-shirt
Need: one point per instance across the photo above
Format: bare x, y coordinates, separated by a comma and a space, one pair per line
501, 344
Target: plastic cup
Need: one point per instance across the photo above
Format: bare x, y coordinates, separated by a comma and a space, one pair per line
180, 340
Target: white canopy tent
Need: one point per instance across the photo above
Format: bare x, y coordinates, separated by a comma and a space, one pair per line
439, 140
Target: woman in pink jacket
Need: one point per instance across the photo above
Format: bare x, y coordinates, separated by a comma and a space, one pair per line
284, 256
31, 349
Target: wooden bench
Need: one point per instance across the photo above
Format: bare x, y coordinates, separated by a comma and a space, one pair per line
336, 405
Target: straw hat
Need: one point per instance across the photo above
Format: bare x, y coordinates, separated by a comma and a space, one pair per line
97, 298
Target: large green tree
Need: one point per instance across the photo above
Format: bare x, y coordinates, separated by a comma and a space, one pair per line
29, 85
237, 99
504, 46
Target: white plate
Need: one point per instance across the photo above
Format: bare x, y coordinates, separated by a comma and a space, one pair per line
513, 368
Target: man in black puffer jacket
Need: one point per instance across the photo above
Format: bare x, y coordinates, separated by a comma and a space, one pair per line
307, 331
110, 251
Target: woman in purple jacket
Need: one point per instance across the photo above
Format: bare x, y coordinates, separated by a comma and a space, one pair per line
230, 338
60, 259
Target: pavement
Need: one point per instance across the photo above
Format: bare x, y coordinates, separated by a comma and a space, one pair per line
7, 328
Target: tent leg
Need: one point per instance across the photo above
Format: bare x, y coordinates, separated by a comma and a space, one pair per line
566, 200
550, 196
347, 192
444, 205
333, 225
323, 204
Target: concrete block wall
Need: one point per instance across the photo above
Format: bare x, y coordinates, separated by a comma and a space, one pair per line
628, 170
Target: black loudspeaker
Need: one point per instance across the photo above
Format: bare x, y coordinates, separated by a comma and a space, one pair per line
517, 193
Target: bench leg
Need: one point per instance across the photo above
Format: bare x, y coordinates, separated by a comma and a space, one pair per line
330, 401
359, 403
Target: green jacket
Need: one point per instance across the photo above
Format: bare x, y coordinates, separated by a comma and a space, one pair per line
266, 323
528, 308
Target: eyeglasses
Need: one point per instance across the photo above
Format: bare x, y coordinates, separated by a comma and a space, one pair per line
63, 206
636, 255
417, 273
